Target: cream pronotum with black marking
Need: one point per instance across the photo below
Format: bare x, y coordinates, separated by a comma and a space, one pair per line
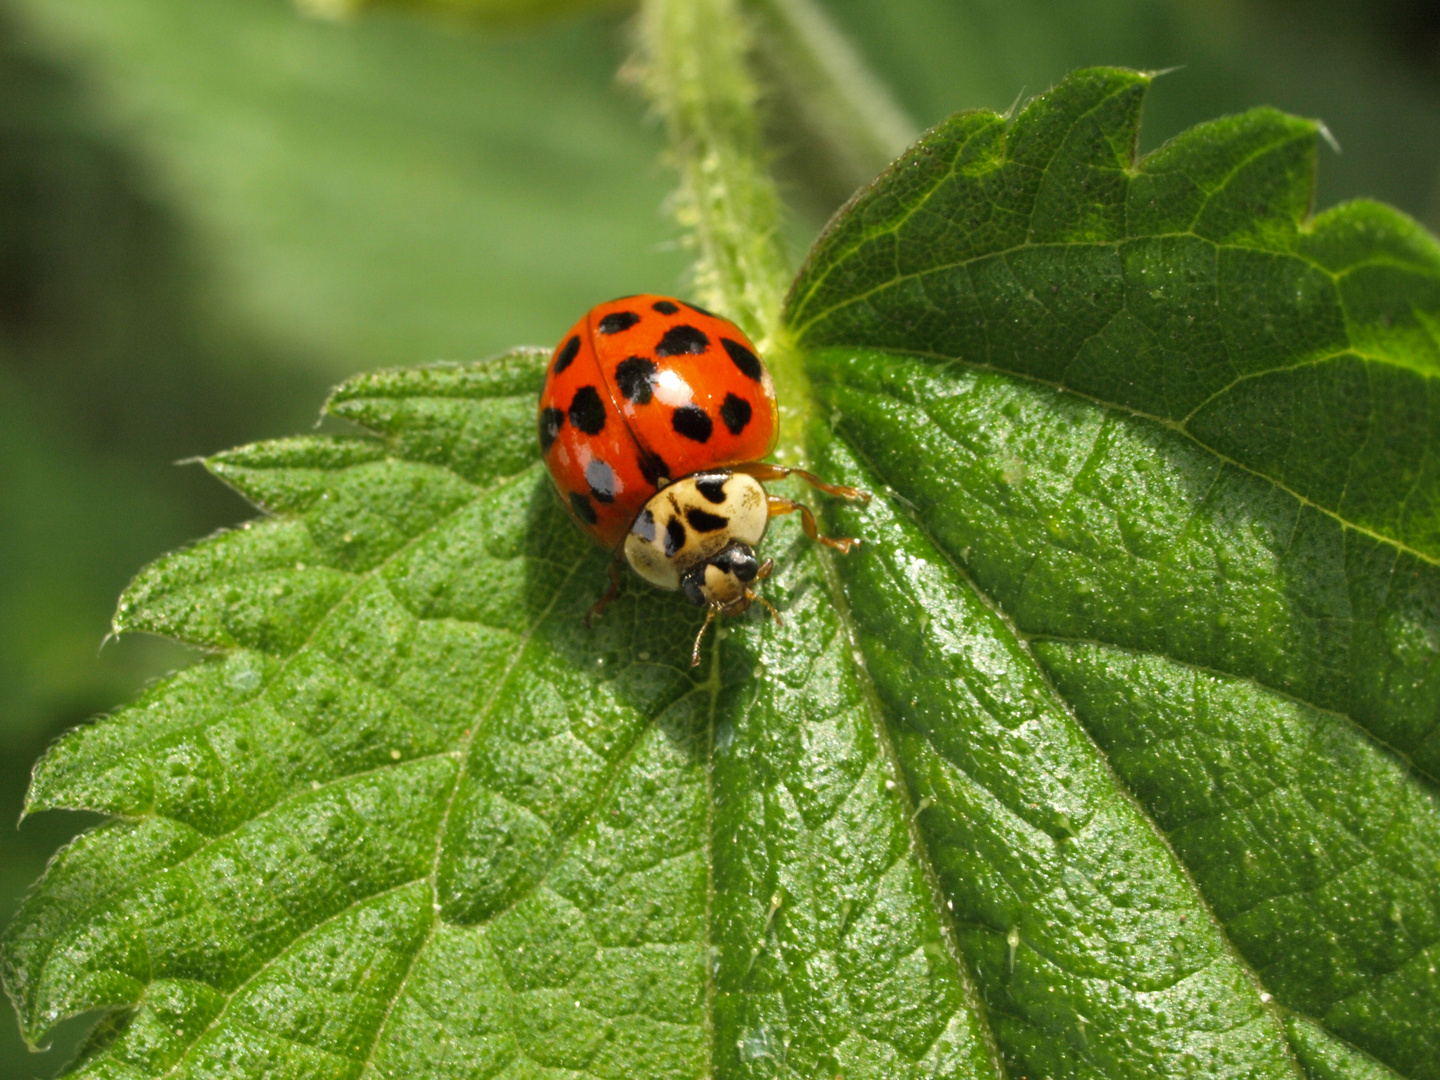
699, 535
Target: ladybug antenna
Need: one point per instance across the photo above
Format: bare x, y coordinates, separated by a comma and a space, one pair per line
695, 653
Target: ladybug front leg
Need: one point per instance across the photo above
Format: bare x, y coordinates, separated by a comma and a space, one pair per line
780, 506
765, 472
695, 652
598, 608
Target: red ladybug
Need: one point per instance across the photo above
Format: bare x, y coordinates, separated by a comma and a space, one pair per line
652, 421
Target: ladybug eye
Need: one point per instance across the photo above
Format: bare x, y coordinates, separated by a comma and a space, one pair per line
693, 585
737, 559
743, 565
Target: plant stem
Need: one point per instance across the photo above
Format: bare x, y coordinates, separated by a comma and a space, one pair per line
840, 100
692, 64
695, 72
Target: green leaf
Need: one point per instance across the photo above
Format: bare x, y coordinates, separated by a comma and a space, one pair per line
1112, 753
391, 190
415, 820
1153, 607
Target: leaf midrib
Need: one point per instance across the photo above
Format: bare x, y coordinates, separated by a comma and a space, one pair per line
879, 719
1024, 641
715, 685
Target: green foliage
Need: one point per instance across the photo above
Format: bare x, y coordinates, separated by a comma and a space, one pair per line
942, 56
1111, 754
387, 190
417, 816
213, 211
499, 12
1161, 529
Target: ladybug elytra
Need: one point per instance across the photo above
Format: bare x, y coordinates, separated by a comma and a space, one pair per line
652, 421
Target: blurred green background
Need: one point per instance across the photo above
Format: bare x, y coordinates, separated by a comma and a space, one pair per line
215, 209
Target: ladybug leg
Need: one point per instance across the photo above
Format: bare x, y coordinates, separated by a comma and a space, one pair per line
763, 472
598, 608
751, 595
695, 652
780, 506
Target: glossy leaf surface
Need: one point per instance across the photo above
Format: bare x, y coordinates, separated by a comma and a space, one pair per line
416, 820
1165, 442
1112, 753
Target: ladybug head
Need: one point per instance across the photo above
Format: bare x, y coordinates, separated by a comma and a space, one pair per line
722, 581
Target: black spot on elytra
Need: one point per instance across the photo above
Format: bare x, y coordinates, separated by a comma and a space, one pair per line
551, 421
699, 310
712, 486
736, 413
690, 421
644, 526
704, 521
566, 354
617, 321
636, 378
601, 479
583, 510
674, 537
653, 468
748, 363
664, 307
683, 340
587, 411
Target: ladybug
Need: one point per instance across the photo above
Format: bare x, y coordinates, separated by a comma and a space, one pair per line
653, 420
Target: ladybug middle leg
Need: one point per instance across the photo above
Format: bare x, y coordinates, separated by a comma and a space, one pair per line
780, 506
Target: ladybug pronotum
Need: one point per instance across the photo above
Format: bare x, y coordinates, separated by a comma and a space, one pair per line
653, 420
